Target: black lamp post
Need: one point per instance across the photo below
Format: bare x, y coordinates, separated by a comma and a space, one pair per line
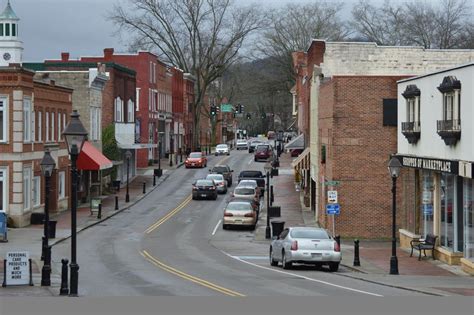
47, 167
75, 135
128, 156
267, 169
394, 167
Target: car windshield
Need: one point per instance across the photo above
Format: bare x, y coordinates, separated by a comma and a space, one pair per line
244, 191
215, 177
262, 148
220, 169
251, 174
250, 183
239, 206
222, 146
312, 234
195, 155
204, 182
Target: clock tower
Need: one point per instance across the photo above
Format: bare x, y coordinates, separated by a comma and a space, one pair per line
11, 48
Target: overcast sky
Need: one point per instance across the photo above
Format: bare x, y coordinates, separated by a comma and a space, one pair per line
80, 27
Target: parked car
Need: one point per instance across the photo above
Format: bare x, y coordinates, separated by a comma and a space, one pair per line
242, 144
225, 170
254, 175
254, 203
305, 245
253, 144
204, 188
222, 149
246, 192
263, 152
196, 159
220, 182
251, 183
240, 213
271, 135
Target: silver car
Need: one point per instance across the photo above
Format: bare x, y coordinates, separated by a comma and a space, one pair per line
246, 192
250, 183
221, 183
222, 149
305, 245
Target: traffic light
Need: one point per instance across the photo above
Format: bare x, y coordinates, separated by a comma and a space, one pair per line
240, 108
264, 115
249, 116
213, 110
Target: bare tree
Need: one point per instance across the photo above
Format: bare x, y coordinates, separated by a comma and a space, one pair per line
202, 37
447, 24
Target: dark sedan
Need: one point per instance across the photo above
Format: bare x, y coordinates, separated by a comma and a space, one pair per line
204, 188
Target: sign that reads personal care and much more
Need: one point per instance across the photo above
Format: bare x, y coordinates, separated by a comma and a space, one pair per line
17, 268
444, 166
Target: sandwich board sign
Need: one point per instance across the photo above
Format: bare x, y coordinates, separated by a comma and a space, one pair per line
17, 269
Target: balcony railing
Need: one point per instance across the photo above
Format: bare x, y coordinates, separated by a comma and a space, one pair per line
449, 131
411, 130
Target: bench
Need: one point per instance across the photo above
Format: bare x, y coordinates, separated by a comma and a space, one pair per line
423, 244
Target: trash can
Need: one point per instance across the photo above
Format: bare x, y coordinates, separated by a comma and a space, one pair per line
277, 227
158, 172
52, 228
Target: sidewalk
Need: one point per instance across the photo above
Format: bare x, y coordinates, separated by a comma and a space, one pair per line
30, 238
426, 275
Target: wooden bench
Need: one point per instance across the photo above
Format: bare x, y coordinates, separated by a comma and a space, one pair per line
423, 244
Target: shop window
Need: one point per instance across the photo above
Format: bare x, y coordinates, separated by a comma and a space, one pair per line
450, 225
427, 207
468, 194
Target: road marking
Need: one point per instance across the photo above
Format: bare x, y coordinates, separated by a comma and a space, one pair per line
300, 276
223, 160
189, 277
215, 229
250, 161
155, 225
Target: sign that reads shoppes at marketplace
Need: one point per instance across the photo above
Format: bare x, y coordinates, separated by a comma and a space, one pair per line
444, 166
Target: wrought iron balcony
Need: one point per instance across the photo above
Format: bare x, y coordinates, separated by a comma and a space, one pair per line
449, 131
411, 130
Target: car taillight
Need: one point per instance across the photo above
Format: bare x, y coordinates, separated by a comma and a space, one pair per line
337, 247
212, 188
294, 245
221, 184
228, 214
250, 215
194, 187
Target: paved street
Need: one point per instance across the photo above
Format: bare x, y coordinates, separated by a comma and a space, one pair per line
166, 244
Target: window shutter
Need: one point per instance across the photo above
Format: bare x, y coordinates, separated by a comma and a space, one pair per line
390, 112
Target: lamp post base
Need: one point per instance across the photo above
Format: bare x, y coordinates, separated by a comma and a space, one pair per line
46, 270
74, 279
127, 198
267, 233
393, 265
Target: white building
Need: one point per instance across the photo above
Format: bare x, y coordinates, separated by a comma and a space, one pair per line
11, 48
436, 145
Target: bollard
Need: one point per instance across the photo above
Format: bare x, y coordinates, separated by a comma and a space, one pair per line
144, 187
356, 253
154, 180
337, 238
99, 213
64, 286
116, 203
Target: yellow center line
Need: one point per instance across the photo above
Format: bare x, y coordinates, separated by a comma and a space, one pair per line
189, 277
168, 216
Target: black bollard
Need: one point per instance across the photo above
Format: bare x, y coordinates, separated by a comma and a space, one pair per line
144, 187
356, 253
337, 238
154, 180
116, 203
64, 286
99, 213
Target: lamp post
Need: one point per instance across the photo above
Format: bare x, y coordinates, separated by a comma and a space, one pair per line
47, 167
267, 169
128, 156
75, 135
394, 167
160, 141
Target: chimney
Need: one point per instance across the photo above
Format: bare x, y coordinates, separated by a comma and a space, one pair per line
64, 56
108, 53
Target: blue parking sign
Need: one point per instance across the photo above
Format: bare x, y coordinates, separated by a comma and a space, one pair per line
333, 209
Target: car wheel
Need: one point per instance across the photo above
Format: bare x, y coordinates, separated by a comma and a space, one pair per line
333, 266
225, 226
273, 262
194, 198
215, 197
285, 264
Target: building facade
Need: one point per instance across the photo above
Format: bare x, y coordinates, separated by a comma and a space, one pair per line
435, 146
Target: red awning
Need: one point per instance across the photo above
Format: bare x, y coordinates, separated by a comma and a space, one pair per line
91, 159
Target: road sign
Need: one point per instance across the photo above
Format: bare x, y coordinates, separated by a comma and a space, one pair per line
428, 209
227, 108
333, 208
331, 183
17, 269
332, 196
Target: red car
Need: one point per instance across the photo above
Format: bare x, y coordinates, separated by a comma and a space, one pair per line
196, 159
262, 152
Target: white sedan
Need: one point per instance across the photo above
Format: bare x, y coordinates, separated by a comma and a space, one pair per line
222, 149
305, 245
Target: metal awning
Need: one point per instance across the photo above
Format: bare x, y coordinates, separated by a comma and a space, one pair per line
302, 162
296, 143
137, 145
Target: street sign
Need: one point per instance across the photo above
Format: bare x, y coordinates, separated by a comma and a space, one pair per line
332, 196
17, 269
331, 183
428, 209
227, 108
333, 208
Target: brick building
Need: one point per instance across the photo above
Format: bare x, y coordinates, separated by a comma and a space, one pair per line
178, 91
188, 100
32, 117
351, 94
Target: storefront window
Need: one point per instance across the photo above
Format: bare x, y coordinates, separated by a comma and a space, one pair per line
448, 196
468, 219
427, 188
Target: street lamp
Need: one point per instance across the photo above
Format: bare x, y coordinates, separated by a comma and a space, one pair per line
267, 169
128, 156
394, 167
47, 167
75, 135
